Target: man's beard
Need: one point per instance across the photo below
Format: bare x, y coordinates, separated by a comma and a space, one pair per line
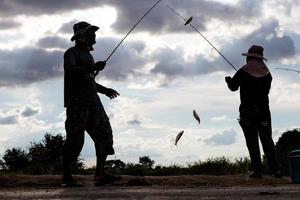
92, 42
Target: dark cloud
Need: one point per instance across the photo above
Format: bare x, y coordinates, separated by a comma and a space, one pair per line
29, 111
53, 42
40, 7
27, 65
227, 137
8, 120
134, 122
277, 47
161, 19
171, 63
125, 62
30, 64
8, 24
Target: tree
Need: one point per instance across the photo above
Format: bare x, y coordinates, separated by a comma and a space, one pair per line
289, 141
114, 164
39, 161
46, 156
16, 159
145, 161
2, 165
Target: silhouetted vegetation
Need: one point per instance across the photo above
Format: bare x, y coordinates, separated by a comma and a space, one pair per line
2, 165
45, 157
212, 166
289, 141
16, 160
146, 162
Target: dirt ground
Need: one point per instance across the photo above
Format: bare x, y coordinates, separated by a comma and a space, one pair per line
165, 187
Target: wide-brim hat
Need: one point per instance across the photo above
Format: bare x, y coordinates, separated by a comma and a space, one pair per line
81, 28
255, 51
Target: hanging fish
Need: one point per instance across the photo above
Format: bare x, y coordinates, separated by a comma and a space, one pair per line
178, 137
196, 116
188, 21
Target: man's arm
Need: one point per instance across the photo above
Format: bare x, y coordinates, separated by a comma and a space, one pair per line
234, 83
111, 93
101, 89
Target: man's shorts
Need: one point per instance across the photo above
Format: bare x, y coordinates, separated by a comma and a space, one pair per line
92, 119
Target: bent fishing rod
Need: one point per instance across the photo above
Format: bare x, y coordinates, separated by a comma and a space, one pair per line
188, 22
129, 32
286, 69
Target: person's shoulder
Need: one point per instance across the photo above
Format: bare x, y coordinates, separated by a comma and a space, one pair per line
244, 67
269, 75
71, 50
242, 70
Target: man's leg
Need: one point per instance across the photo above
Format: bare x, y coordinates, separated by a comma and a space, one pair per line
75, 127
100, 166
99, 129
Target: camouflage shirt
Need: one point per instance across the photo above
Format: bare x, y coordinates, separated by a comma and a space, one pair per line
80, 88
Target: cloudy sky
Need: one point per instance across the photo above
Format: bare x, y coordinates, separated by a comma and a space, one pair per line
163, 71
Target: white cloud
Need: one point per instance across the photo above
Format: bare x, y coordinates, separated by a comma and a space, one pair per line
221, 119
227, 137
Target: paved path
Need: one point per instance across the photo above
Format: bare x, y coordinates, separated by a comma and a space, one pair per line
291, 192
229, 187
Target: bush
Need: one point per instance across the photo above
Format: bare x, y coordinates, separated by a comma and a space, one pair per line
146, 162
212, 166
44, 157
16, 159
135, 170
2, 165
168, 171
289, 141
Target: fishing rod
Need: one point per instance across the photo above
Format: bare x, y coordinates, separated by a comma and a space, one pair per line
292, 70
188, 22
129, 33
132, 30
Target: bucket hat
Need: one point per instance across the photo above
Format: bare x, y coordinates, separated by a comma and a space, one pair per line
255, 51
81, 28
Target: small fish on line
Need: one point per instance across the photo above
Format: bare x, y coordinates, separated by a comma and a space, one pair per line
196, 116
178, 137
188, 21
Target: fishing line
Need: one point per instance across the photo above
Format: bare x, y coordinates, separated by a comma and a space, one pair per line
188, 22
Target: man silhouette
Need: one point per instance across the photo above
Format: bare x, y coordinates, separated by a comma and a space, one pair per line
84, 109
